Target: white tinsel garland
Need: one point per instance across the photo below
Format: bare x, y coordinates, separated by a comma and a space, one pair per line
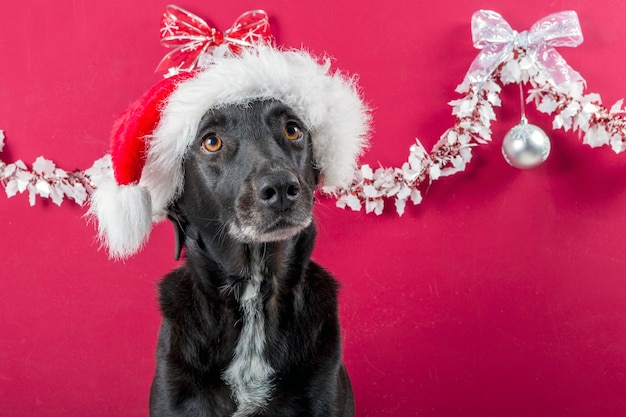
48, 181
572, 110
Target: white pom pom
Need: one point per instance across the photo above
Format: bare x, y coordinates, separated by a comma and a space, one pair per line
124, 217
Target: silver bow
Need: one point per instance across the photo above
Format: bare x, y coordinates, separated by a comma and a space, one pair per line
496, 40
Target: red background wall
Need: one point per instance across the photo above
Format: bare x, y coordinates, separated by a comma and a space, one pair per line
502, 294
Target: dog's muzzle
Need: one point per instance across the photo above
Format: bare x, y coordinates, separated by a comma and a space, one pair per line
273, 207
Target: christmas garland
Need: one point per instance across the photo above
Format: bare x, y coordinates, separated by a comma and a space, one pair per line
47, 181
506, 57
573, 110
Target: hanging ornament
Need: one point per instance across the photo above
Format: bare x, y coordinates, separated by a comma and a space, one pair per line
525, 146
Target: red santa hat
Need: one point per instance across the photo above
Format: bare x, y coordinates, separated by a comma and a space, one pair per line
151, 137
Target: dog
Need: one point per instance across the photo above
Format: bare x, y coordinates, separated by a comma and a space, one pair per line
250, 323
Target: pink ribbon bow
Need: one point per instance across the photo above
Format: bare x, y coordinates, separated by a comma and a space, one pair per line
496, 40
192, 37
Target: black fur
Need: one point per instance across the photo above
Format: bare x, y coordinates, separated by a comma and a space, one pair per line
245, 208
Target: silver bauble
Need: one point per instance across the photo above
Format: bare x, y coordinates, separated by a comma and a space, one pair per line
525, 146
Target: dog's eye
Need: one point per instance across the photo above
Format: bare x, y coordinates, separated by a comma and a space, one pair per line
212, 143
292, 131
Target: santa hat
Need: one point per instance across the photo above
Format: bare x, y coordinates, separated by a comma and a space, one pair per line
151, 137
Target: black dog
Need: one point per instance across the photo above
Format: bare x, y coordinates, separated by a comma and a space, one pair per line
250, 324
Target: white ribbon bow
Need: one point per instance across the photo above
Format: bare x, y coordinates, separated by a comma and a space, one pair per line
497, 40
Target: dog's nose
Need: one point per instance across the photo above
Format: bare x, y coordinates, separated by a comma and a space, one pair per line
278, 190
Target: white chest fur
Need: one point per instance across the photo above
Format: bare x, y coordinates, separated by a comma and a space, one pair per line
249, 374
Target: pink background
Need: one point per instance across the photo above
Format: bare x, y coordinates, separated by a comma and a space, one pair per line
502, 294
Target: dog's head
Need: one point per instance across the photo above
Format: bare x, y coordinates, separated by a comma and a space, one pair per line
158, 131
249, 173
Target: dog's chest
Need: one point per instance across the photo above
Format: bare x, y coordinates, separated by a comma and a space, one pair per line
249, 374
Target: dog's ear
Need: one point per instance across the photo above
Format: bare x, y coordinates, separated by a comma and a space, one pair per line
180, 225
